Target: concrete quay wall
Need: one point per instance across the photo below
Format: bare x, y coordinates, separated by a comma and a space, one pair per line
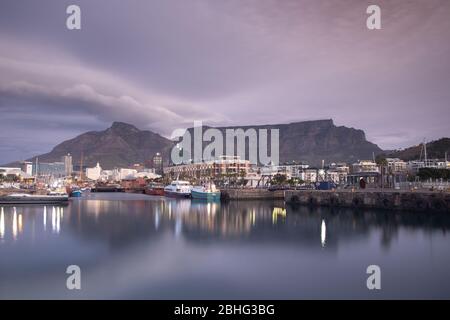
251, 194
378, 199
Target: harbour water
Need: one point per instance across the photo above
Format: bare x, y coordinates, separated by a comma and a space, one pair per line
131, 246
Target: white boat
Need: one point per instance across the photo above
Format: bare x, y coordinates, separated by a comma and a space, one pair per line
206, 192
178, 188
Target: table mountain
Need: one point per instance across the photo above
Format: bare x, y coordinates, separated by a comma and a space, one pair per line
123, 144
314, 141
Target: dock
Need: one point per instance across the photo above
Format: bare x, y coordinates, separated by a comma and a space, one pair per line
412, 201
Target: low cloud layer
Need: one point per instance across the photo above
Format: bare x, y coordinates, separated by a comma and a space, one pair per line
163, 64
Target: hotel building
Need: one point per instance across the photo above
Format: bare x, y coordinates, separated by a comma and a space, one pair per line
224, 165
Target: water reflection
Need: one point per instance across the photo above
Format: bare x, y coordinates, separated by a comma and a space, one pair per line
323, 233
120, 223
164, 239
14, 223
13, 220
2, 223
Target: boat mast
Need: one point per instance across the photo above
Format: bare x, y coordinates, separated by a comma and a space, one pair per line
81, 167
425, 152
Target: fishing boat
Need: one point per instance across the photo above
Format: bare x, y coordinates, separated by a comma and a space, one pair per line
25, 198
154, 189
206, 192
178, 188
76, 193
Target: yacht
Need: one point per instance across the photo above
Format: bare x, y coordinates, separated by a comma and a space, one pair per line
178, 188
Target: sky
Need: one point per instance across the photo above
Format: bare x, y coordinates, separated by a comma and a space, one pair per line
161, 64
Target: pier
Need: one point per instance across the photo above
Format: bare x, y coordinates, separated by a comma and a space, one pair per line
412, 201
376, 199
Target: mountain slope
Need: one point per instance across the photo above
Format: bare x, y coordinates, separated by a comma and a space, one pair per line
435, 150
120, 145
314, 141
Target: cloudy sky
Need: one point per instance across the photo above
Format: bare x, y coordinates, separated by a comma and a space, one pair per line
161, 64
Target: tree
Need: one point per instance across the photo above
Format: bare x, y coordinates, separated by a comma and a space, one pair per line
279, 179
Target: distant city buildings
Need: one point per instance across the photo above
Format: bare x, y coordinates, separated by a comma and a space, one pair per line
157, 163
68, 166
49, 169
120, 174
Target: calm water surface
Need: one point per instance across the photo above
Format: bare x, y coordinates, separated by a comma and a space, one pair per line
144, 247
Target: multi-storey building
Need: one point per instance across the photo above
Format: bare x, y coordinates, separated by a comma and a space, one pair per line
68, 166
223, 166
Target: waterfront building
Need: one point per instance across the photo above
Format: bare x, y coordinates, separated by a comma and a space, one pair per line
27, 167
223, 166
338, 173
49, 169
395, 165
414, 166
292, 170
157, 163
94, 173
367, 170
68, 166
120, 174
106, 175
309, 175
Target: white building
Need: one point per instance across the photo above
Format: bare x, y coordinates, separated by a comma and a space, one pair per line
124, 173
395, 165
27, 167
308, 175
365, 166
94, 173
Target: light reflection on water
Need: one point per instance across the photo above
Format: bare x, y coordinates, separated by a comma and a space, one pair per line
137, 246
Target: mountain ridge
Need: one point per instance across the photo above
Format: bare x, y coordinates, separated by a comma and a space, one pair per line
123, 144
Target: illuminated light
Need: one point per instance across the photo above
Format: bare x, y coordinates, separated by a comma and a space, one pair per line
45, 218
277, 212
53, 219
19, 224
58, 219
14, 223
157, 220
323, 233
178, 227
2, 223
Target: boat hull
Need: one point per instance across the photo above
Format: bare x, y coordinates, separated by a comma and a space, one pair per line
76, 194
154, 192
176, 194
209, 196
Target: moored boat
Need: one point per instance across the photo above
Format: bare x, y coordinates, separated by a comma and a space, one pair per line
154, 189
178, 188
76, 193
24, 198
207, 192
